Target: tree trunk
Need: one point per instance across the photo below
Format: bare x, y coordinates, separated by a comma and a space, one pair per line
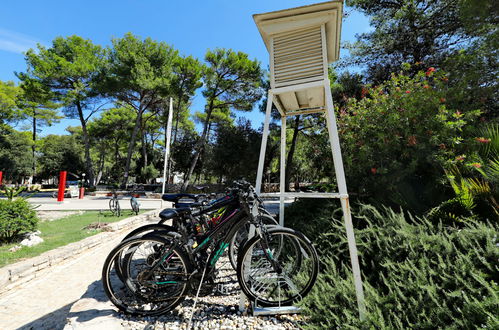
88, 159
144, 149
199, 146
292, 148
131, 147
101, 166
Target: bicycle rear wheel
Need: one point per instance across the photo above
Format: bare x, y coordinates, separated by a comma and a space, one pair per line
114, 207
146, 292
278, 268
139, 232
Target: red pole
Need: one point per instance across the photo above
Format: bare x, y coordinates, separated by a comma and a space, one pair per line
1, 176
62, 186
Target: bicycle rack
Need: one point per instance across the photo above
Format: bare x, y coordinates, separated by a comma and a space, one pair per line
258, 311
302, 42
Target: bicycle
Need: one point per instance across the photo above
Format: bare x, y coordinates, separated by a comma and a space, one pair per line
277, 266
192, 216
114, 204
134, 203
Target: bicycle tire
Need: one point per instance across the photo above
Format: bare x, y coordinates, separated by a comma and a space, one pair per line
140, 231
135, 205
242, 235
137, 295
258, 277
112, 205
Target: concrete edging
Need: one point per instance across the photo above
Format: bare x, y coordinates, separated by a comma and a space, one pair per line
20, 272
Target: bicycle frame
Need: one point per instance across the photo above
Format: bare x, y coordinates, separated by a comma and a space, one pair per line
221, 234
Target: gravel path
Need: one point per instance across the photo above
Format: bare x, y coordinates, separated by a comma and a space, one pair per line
216, 311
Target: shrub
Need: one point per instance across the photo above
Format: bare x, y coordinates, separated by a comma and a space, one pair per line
397, 138
416, 274
16, 216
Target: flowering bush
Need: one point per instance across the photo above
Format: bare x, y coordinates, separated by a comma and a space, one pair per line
397, 139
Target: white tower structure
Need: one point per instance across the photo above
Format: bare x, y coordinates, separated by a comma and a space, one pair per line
302, 42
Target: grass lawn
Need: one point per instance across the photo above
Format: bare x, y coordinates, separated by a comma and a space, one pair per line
58, 233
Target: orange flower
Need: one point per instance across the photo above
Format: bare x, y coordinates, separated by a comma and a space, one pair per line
476, 165
374, 170
482, 140
430, 71
407, 92
442, 100
412, 141
364, 92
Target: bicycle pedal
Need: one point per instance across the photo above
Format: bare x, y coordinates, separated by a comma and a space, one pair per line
223, 289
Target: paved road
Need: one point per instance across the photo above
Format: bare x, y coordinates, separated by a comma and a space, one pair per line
91, 203
102, 203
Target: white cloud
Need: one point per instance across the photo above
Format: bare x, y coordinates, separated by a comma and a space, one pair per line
14, 42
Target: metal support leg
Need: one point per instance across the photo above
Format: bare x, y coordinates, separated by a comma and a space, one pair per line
259, 174
282, 180
263, 147
342, 187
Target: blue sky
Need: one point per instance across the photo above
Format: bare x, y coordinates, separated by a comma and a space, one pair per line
192, 27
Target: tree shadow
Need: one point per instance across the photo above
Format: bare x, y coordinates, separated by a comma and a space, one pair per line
57, 319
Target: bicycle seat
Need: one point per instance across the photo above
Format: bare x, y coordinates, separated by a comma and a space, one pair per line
173, 213
176, 197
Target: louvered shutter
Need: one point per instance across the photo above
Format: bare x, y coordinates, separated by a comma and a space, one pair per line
298, 57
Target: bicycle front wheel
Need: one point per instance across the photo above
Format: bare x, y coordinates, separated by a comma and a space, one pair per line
241, 236
135, 205
278, 268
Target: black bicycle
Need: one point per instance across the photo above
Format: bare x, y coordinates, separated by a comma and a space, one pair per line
276, 267
114, 205
194, 213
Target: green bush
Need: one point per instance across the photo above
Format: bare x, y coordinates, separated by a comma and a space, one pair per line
416, 274
16, 216
397, 138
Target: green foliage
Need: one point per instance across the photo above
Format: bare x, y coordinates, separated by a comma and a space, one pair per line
416, 274
474, 178
235, 152
16, 216
232, 78
60, 153
15, 154
69, 68
68, 72
9, 107
396, 139
231, 82
59, 232
458, 36
149, 172
11, 192
139, 74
